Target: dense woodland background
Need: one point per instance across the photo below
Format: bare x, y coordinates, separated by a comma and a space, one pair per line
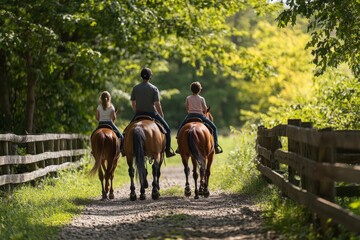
259, 61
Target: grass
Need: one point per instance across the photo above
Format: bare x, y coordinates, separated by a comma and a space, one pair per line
38, 212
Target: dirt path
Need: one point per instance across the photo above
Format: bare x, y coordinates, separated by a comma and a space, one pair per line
221, 216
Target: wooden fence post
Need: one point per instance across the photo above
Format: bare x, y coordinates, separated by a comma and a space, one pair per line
31, 149
307, 151
326, 187
8, 168
40, 149
293, 146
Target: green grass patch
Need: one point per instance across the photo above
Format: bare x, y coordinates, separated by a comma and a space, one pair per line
234, 169
173, 191
38, 212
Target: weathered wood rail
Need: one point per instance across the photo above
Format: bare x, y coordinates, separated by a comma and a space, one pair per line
28, 157
318, 168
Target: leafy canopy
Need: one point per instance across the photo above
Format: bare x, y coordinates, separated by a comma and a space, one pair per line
334, 27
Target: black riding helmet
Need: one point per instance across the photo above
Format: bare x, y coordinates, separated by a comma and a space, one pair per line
146, 73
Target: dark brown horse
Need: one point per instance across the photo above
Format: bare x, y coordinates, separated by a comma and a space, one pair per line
144, 140
106, 151
195, 140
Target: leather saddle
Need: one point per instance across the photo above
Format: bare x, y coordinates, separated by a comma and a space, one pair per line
147, 117
195, 119
102, 126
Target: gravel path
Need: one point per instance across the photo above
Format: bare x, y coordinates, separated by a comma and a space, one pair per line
221, 216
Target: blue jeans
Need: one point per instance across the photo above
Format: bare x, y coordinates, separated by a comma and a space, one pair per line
204, 119
114, 128
163, 122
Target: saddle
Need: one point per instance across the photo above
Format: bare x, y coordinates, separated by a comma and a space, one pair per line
147, 117
102, 126
195, 119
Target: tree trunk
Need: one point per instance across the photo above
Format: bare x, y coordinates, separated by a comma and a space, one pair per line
5, 110
30, 100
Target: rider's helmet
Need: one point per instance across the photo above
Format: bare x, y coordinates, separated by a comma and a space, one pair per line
146, 73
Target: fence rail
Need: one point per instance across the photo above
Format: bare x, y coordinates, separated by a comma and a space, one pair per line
28, 157
318, 168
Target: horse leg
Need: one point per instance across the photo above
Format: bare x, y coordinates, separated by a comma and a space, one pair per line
206, 183
101, 177
132, 185
195, 176
187, 190
155, 184
202, 181
111, 194
158, 175
146, 184
143, 185
106, 175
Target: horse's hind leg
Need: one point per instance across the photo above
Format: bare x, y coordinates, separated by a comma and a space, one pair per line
101, 177
187, 190
132, 185
111, 193
195, 175
155, 184
202, 181
207, 176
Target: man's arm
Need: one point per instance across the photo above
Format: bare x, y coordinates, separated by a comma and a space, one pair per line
133, 104
158, 108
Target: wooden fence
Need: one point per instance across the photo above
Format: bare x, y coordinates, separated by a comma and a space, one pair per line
28, 157
318, 168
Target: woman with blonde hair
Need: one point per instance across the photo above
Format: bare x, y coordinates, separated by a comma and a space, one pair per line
106, 114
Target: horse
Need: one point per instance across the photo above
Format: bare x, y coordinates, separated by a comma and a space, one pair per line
195, 140
144, 139
106, 151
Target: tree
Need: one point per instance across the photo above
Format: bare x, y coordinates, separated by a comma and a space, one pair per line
334, 27
59, 53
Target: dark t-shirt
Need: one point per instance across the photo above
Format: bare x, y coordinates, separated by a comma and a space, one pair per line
145, 94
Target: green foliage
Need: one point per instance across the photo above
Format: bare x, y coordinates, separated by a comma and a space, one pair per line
333, 101
75, 50
234, 170
334, 30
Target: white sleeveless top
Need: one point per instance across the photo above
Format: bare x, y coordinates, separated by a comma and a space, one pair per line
105, 115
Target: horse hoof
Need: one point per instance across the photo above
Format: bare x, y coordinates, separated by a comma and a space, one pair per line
111, 196
132, 197
196, 197
155, 196
187, 193
201, 192
142, 197
206, 194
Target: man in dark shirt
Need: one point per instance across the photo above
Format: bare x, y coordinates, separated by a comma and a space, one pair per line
145, 100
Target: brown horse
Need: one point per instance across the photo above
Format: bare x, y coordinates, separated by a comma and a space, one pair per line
144, 139
195, 140
106, 151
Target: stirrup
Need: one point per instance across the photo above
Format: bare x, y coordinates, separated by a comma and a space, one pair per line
218, 149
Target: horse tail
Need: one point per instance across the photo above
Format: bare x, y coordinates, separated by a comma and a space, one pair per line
99, 155
138, 141
194, 150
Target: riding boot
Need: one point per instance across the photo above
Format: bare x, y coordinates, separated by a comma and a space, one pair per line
218, 149
169, 153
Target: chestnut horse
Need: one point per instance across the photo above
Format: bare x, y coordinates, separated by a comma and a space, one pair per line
106, 151
195, 140
144, 140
